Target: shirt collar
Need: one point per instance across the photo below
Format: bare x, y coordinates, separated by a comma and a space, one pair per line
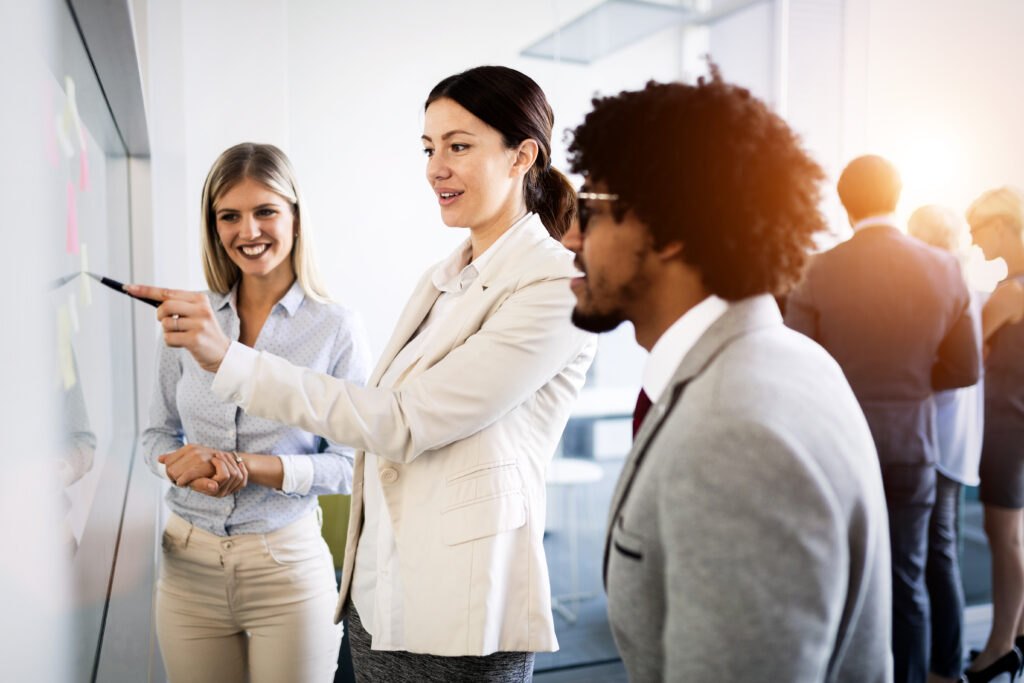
668, 352
888, 219
291, 300
457, 272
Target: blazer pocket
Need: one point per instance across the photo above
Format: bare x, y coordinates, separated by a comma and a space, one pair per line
481, 482
627, 544
483, 517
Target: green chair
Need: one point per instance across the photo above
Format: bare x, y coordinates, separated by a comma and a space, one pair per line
335, 532
335, 526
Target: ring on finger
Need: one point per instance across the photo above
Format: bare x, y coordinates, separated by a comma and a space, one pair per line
175, 316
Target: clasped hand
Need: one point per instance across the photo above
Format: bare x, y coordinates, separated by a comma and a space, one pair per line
188, 323
208, 471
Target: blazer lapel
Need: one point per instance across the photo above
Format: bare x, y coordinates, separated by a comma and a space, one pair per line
466, 314
740, 318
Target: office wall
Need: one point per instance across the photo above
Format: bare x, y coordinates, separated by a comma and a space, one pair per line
935, 84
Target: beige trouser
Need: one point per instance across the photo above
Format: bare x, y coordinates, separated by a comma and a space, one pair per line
256, 607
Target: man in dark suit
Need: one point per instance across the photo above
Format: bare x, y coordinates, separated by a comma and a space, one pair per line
746, 539
894, 313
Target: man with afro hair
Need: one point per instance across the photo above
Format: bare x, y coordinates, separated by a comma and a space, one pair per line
747, 535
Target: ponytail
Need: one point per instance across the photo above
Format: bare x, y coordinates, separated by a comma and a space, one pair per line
550, 195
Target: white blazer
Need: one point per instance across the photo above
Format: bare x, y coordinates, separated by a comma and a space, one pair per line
463, 442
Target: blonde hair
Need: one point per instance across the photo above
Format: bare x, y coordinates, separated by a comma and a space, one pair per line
1005, 202
939, 226
268, 165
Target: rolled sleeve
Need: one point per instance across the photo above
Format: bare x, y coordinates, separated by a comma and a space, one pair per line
298, 474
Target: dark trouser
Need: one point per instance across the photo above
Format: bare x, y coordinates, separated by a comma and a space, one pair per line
943, 578
398, 666
910, 495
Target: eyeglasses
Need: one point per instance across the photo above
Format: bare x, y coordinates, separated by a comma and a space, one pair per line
584, 212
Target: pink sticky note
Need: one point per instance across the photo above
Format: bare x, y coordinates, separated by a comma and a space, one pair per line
72, 220
83, 166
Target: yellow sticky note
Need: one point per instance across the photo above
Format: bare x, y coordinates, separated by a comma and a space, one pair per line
61, 132
86, 290
73, 311
65, 365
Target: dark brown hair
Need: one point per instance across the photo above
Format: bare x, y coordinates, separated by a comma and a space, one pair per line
710, 166
514, 105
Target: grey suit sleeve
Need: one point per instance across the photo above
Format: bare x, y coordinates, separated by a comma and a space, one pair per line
756, 563
959, 357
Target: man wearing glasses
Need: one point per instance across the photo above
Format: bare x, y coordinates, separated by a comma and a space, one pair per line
747, 534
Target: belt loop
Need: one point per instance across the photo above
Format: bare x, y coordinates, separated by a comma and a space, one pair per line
319, 517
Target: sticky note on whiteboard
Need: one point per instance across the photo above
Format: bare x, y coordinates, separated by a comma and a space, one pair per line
61, 131
65, 364
83, 164
73, 311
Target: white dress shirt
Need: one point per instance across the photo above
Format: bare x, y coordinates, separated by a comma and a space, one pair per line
667, 353
376, 579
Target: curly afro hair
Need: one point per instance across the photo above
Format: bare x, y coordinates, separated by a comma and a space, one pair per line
710, 166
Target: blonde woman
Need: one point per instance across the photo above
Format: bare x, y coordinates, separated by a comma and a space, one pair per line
246, 583
997, 226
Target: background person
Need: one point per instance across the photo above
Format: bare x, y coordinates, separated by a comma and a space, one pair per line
959, 417
996, 219
895, 314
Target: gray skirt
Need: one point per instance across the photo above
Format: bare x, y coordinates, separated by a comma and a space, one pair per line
1002, 469
398, 666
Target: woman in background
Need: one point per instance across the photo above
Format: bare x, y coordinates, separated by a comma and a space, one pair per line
445, 576
997, 220
958, 420
247, 583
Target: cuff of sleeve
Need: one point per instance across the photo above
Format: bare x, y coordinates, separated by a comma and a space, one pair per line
298, 474
236, 377
163, 471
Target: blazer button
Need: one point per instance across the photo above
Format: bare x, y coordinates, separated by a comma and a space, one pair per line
388, 475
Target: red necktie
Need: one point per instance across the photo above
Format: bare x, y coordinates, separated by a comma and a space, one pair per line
643, 404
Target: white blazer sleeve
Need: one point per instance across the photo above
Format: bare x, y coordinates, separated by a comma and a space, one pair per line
523, 345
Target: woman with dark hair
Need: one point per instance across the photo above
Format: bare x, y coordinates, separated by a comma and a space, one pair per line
445, 576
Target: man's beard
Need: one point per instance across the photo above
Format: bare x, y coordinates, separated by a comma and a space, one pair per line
597, 322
